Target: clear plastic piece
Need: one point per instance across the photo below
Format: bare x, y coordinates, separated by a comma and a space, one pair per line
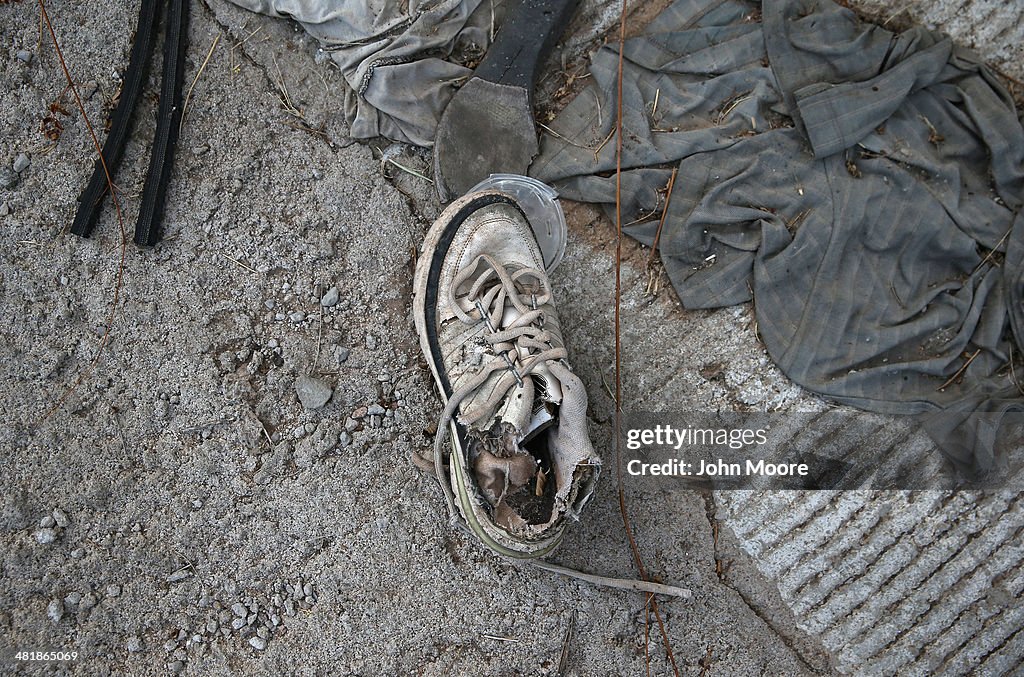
540, 204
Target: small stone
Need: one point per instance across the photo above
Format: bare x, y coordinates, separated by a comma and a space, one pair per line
89, 88
78, 553
342, 353
46, 536
330, 299
211, 626
176, 667
8, 179
313, 392
344, 439
24, 56
307, 589
72, 599
351, 424
61, 518
113, 590
89, 600
238, 623
371, 341
375, 410
55, 610
263, 632
297, 316
133, 645
5, 208
47, 522
258, 643
239, 609
360, 412
21, 163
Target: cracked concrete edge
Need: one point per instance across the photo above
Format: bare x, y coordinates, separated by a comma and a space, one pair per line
738, 571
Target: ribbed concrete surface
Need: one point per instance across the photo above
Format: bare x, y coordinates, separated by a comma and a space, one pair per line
895, 582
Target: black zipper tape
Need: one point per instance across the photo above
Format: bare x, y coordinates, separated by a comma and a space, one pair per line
147, 228
113, 147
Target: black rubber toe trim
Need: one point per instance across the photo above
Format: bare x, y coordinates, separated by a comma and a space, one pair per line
444, 243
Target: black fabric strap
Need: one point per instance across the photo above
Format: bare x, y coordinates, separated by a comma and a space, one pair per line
113, 148
147, 229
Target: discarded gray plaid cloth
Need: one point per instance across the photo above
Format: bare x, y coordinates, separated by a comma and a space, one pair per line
865, 187
401, 60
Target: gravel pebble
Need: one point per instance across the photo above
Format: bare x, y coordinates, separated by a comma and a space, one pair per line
22, 162
176, 667
47, 522
72, 599
5, 208
331, 298
258, 643
113, 590
133, 645
8, 179
239, 609
313, 392
25, 56
344, 439
297, 316
45, 536
375, 410
55, 610
61, 518
238, 623
342, 353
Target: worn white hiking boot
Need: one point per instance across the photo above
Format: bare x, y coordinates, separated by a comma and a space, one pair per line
520, 458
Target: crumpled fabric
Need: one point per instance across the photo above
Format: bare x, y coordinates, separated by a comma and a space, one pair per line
402, 61
863, 188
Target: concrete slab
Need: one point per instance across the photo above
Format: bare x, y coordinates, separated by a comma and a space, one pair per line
182, 511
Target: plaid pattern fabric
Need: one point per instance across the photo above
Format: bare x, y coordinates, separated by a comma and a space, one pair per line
864, 187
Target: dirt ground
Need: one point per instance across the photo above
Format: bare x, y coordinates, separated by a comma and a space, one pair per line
180, 511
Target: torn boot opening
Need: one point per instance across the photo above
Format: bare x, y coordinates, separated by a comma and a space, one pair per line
526, 481
515, 476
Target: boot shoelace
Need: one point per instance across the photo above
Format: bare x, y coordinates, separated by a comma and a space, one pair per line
518, 349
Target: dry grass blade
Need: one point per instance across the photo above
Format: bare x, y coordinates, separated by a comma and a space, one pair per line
960, 371
188, 96
664, 213
115, 303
